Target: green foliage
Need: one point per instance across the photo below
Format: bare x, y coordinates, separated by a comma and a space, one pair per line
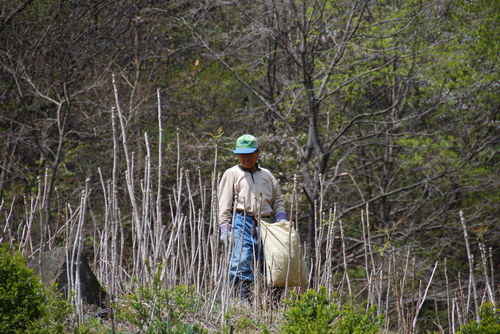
155, 310
312, 313
26, 305
489, 324
357, 320
315, 312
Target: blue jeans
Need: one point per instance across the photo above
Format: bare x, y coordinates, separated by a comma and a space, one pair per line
247, 249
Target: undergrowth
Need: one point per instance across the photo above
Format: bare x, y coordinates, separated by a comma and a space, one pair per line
26, 305
153, 309
489, 324
315, 312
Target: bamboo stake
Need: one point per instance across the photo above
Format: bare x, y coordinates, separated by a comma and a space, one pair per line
449, 311
461, 317
367, 269
160, 162
129, 175
470, 256
329, 250
344, 256
392, 261
421, 301
492, 272
489, 290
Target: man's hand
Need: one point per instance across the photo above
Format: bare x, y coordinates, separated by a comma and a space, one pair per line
225, 233
281, 216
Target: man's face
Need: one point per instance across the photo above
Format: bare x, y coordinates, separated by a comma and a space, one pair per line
248, 161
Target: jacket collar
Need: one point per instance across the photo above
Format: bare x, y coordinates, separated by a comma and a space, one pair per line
248, 170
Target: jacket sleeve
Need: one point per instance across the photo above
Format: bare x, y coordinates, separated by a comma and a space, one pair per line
226, 196
278, 203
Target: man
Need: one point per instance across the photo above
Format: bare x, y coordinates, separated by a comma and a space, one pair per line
252, 193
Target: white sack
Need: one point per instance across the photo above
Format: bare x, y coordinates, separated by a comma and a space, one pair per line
282, 255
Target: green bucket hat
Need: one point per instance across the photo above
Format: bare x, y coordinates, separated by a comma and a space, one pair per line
246, 144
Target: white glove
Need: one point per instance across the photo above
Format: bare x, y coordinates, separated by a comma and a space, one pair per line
225, 233
281, 216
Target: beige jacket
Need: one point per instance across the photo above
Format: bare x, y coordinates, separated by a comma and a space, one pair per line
257, 193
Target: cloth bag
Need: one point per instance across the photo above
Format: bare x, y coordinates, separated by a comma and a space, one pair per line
283, 261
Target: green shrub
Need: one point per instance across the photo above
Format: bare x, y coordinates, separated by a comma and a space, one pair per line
489, 324
357, 320
26, 305
314, 312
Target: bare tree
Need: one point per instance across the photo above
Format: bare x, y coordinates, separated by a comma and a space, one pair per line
344, 87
